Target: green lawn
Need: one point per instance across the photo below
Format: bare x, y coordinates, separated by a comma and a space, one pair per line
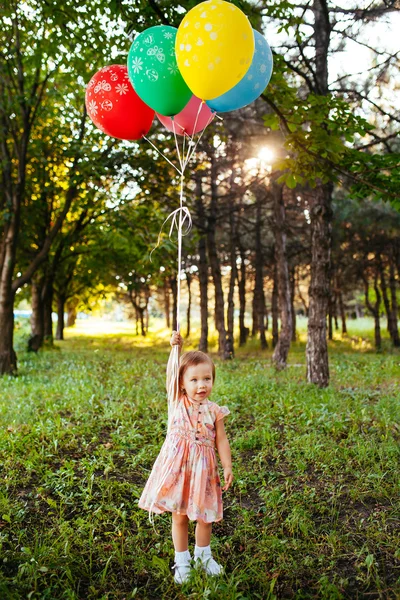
313, 512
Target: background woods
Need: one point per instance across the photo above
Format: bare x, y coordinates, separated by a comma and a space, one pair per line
293, 198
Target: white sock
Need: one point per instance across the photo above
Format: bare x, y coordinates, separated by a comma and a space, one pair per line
202, 552
182, 558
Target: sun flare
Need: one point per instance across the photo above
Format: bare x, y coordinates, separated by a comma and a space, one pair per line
266, 155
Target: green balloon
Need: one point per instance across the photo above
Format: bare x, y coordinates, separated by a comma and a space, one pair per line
154, 72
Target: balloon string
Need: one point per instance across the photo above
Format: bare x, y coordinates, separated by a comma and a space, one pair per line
161, 154
191, 143
182, 211
198, 140
177, 147
178, 302
184, 214
173, 215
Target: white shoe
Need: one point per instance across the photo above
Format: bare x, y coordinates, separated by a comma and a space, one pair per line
182, 573
210, 565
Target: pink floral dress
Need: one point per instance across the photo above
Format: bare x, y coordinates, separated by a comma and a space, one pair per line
185, 475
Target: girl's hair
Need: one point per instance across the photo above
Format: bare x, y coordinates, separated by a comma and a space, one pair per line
191, 359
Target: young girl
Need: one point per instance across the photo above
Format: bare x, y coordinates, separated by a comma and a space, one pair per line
184, 479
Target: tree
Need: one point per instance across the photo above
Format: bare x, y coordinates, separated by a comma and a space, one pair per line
316, 125
40, 85
281, 351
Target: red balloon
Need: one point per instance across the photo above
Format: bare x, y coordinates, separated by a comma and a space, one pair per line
114, 106
192, 115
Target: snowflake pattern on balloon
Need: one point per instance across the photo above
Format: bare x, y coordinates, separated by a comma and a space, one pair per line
102, 86
157, 52
168, 35
121, 89
173, 68
137, 65
93, 108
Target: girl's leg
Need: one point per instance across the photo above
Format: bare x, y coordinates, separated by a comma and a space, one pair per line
202, 551
203, 533
180, 532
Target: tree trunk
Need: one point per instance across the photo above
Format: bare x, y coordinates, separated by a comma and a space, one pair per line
303, 301
292, 296
223, 345
321, 228
243, 330
167, 307
375, 310
141, 311
48, 311
8, 358
335, 315
135, 306
396, 255
203, 282
8, 249
378, 340
71, 308
330, 317
37, 319
274, 309
203, 265
281, 351
266, 314
219, 295
391, 322
60, 317
137, 321
254, 312
321, 225
392, 285
232, 280
71, 316
259, 295
189, 281
331, 309
341, 305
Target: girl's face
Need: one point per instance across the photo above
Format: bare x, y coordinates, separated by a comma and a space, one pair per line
198, 381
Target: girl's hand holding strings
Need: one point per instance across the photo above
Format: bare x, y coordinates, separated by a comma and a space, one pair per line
176, 339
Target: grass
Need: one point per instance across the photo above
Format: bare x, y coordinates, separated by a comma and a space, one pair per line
313, 512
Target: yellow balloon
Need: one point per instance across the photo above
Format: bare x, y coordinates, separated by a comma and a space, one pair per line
214, 48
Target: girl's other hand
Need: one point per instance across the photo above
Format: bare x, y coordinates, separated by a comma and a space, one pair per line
176, 339
228, 478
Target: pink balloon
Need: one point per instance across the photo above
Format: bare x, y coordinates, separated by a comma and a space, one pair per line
188, 118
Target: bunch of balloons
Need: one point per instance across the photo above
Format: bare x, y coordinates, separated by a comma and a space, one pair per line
214, 62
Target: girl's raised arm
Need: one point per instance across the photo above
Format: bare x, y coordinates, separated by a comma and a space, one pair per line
172, 373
